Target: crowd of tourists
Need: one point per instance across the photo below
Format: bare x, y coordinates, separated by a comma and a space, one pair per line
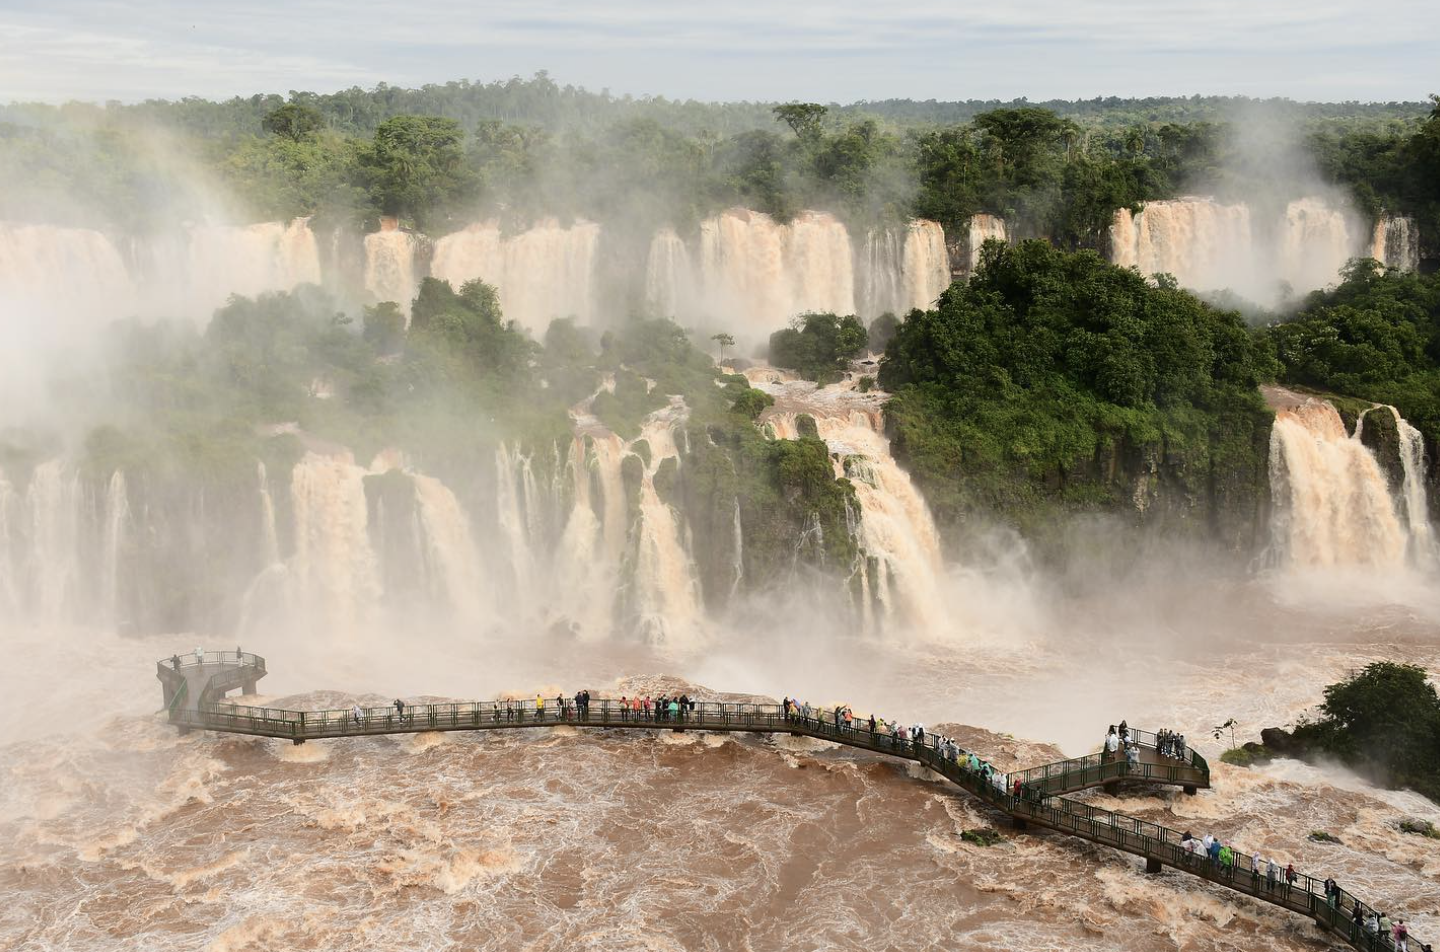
841, 718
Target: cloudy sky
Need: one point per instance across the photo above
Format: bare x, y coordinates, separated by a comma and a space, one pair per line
840, 50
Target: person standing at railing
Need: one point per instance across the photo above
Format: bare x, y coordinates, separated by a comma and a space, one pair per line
1272, 874
199, 655
356, 713
1112, 742
1290, 877
400, 709
871, 722
1227, 861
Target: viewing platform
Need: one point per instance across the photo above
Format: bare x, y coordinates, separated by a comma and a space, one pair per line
195, 687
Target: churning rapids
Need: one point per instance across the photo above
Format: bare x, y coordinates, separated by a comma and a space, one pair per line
116, 833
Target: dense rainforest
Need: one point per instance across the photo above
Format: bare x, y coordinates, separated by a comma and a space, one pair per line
440, 156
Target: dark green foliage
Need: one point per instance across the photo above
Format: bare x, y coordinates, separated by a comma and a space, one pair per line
1052, 377
818, 346
293, 121
751, 403
1375, 336
415, 167
1320, 836
1385, 722
1420, 828
881, 331
384, 327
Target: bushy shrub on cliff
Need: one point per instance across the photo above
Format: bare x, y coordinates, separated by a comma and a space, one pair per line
1385, 722
1376, 335
818, 346
1054, 377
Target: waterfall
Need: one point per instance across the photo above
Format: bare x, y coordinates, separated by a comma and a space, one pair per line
62, 278
269, 538
1423, 550
390, 266
899, 271
585, 569
760, 274
1209, 246
738, 557
53, 501
1395, 243
333, 572
117, 518
900, 572
511, 476
542, 273
669, 277
983, 228
667, 586
1316, 242
1332, 505
457, 576
248, 260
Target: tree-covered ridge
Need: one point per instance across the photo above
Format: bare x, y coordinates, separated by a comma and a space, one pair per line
1054, 381
1375, 336
441, 156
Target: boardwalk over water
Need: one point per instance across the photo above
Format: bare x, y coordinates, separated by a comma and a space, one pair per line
195, 689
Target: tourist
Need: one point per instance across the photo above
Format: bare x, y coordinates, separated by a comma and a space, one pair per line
1357, 921
539, 707
1180, 747
1272, 873
175, 662
1382, 924
1372, 924
238, 653
1255, 867
1132, 758
1331, 892
400, 709
872, 724
1227, 861
674, 708
199, 655
1290, 876
1124, 733
358, 715
1401, 936
1112, 741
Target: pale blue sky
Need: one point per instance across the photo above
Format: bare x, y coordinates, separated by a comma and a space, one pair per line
840, 50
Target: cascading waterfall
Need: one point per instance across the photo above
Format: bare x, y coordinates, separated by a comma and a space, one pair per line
1395, 242
269, 537
1209, 246
983, 228
65, 277
333, 572
667, 585
117, 519
512, 480
900, 270
669, 277
457, 576
1332, 504
901, 570
248, 260
390, 265
1417, 509
545, 272
53, 501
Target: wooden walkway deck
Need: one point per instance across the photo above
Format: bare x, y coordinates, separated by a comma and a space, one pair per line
195, 688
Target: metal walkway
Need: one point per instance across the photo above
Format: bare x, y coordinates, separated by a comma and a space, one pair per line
195, 688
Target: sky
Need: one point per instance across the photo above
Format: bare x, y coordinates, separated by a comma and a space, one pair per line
832, 51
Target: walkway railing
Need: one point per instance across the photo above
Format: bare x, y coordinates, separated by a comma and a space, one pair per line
1030, 796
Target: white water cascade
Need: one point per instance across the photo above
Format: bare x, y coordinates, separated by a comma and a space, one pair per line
901, 269
117, 521
545, 272
455, 574
1423, 551
1395, 243
983, 228
333, 572
1332, 504
667, 585
390, 265
901, 571
57, 280
1209, 246
53, 504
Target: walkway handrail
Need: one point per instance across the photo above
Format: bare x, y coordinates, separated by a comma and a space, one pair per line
1038, 800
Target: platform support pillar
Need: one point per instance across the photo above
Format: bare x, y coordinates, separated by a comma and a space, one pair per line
1152, 865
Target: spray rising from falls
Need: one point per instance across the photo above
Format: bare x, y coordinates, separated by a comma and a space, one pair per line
1333, 506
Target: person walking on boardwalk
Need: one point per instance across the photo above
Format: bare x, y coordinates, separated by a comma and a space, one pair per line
1227, 861
199, 655
1357, 922
359, 716
539, 707
400, 709
1290, 877
1401, 936
1255, 869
